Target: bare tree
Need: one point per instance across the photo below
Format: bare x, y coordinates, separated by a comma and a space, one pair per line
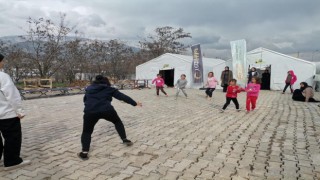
119, 58
47, 41
96, 53
16, 65
72, 55
166, 40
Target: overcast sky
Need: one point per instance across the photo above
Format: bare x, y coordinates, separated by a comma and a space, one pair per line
286, 26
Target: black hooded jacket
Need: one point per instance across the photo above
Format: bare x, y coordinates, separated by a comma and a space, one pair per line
98, 98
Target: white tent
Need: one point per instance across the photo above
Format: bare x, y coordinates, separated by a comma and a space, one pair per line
279, 64
178, 64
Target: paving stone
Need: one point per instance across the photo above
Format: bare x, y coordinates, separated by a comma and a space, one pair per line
174, 139
130, 170
238, 178
170, 163
259, 159
305, 163
305, 170
306, 176
172, 175
274, 159
179, 167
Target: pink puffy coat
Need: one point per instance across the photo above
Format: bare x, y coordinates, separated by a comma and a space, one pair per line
293, 77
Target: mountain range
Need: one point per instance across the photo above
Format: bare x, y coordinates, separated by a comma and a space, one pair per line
22, 43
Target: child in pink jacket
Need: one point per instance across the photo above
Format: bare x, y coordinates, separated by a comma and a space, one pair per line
252, 90
159, 84
290, 80
211, 85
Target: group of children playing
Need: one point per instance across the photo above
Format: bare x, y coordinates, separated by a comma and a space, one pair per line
252, 89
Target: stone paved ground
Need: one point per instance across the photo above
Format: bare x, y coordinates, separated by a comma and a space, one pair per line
183, 139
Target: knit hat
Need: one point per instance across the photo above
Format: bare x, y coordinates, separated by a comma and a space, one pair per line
1, 57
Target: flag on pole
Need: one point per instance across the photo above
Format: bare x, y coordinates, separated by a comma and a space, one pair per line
239, 59
197, 67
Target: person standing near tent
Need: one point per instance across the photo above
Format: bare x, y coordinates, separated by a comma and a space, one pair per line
290, 80
181, 85
253, 72
159, 84
226, 76
211, 85
265, 85
97, 105
11, 113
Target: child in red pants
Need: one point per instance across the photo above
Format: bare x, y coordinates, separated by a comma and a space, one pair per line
252, 90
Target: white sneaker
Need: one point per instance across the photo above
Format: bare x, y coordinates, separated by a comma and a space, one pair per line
23, 163
222, 111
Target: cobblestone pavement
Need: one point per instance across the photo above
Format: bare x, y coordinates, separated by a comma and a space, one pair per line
174, 139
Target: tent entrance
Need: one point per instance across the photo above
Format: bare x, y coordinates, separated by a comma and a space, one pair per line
168, 76
265, 75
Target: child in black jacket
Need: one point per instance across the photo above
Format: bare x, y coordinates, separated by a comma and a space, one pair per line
97, 105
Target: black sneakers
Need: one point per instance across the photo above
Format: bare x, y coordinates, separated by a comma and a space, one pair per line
127, 142
83, 156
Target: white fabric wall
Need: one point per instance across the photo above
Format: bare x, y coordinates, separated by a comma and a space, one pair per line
150, 69
181, 64
280, 65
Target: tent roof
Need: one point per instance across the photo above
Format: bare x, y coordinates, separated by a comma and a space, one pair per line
184, 58
261, 49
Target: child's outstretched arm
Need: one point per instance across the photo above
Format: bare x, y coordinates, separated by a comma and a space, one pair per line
240, 89
122, 97
139, 104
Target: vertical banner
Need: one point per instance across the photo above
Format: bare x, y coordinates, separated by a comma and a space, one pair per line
197, 67
239, 59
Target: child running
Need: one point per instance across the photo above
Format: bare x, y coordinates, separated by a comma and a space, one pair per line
181, 85
159, 84
97, 105
232, 92
252, 90
211, 85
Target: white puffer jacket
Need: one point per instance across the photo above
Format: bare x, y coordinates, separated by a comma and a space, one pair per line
10, 99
